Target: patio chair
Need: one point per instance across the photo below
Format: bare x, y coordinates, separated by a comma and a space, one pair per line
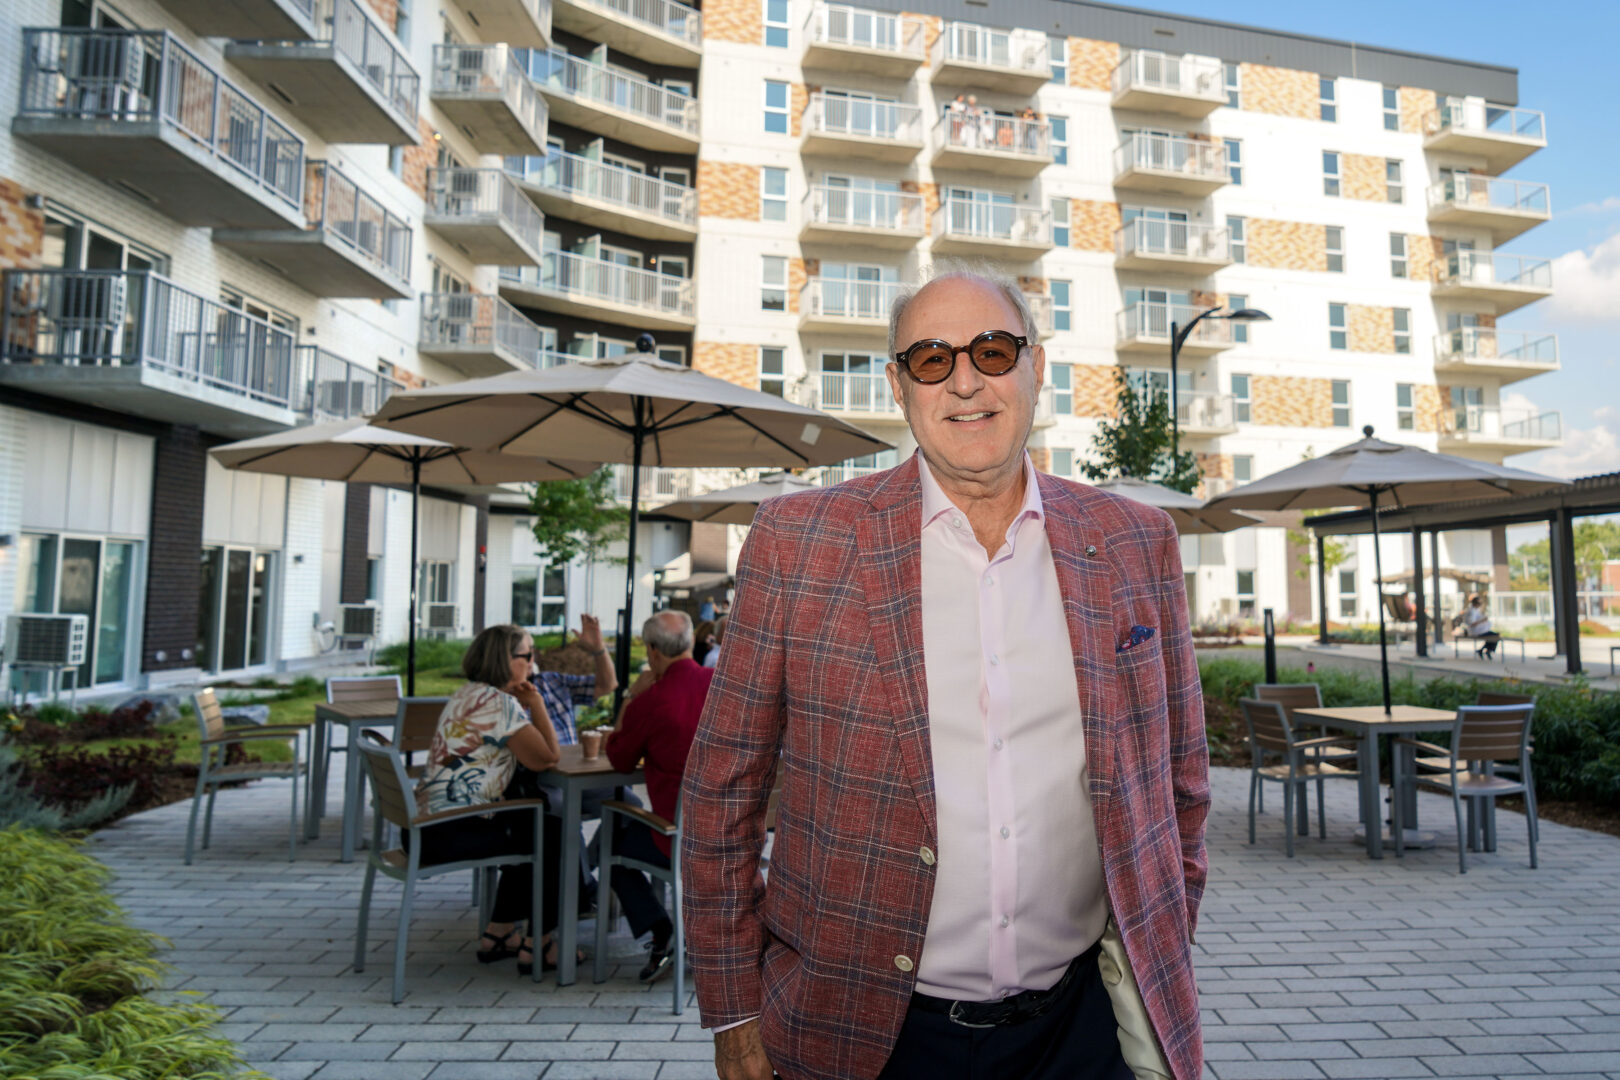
1293, 696
396, 804
1480, 736
1271, 733
213, 770
355, 688
670, 876
414, 728
1443, 764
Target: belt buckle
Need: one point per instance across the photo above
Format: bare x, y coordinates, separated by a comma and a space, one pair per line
955, 1019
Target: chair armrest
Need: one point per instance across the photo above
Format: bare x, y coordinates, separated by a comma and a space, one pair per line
1427, 747
646, 817
254, 735
1318, 744
477, 811
270, 729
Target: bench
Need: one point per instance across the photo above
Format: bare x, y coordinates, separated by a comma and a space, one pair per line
1500, 638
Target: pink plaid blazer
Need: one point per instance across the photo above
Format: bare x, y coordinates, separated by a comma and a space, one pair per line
823, 670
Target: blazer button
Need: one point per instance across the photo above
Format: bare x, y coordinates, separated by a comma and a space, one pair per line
903, 963
926, 853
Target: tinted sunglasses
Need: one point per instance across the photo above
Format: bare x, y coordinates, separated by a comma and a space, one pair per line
994, 352
524, 655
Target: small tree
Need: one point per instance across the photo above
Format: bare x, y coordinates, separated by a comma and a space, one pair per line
1334, 552
1137, 441
578, 517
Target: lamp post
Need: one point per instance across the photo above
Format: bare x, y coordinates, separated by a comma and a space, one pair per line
1178, 337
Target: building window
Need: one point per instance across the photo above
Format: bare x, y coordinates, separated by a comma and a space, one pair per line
773, 283
1242, 468
374, 583
1062, 306
1330, 172
436, 583
1336, 329
1397, 254
1234, 89
1057, 54
1245, 594
1060, 139
1234, 160
1403, 329
1060, 221
1341, 403
1328, 99
1063, 389
772, 194
1405, 417
525, 596
1394, 189
1241, 401
1392, 109
1240, 330
776, 107
776, 23
1234, 233
1062, 461
1333, 238
771, 362
1347, 594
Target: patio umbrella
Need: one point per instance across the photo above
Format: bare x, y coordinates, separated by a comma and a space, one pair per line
1372, 469
1187, 511
1465, 577
633, 409
355, 452
733, 505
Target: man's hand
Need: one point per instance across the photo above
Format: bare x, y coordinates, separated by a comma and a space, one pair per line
643, 681
739, 1054
589, 637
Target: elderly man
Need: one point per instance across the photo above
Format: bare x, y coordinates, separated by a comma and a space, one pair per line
975, 686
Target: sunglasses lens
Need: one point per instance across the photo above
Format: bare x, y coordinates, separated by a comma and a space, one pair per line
929, 363
995, 353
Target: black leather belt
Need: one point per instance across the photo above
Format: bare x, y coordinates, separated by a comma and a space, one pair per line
1010, 1010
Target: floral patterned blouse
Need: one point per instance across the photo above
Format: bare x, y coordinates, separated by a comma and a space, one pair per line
469, 762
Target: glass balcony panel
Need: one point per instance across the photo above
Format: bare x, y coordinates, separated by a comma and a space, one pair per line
331, 388
1173, 163
659, 31
613, 103
478, 334
485, 90
607, 195
485, 213
1148, 80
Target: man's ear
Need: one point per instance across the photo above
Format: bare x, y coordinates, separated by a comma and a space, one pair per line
897, 386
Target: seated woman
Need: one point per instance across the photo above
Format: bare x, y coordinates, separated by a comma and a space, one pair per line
1477, 625
487, 749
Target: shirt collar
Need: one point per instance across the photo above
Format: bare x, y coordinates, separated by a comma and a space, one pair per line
935, 502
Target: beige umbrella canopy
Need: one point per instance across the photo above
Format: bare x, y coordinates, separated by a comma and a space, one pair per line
733, 505
1465, 577
1187, 511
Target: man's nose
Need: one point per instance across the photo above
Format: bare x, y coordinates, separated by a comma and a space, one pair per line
965, 378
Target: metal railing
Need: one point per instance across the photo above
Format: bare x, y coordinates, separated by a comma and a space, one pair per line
841, 298
493, 70
1467, 191
331, 388
971, 219
478, 320
335, 203
550, 358
1491, 268
1172, 239
887, 211
1212, 412
117, 318
1148, 69
1040, 306
476, 193
138, 76
1171, 153
665, 16
597, 279
1485, 118
1149, 320
994, 134
657, 482
355, 35
579, 177
860, 392
1526, 606
1015, 50
1488, 421
832, 114
1488, 344
561, 73
863, 28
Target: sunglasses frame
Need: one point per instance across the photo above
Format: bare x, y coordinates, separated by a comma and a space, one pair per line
903, 358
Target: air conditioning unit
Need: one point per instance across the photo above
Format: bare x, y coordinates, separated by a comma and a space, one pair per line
358, 621
51, 641
440, 619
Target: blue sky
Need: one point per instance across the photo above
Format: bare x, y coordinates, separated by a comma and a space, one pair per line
1564, 52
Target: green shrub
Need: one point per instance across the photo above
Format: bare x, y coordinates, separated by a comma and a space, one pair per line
21, 806
54, 712
432, 654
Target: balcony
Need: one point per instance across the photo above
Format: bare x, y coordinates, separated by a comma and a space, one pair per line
1501, 134
659, 483
1145, 327
1171, 246
477, 334
1510, 354
861, 397
258, 20
1045, 408
139, 111
1206, 414
522, 24
841, 37
1505, 207
658, 31
1173, 163
1490, 427
840, 215
1507, 281
843, 127
1003, 145
1150, 81
484, 91
137, 343
996, 230
588, 288
977, 57
350, 247
327, 387
841, 304
351, 83
608, 196
485, 214
1040, 306
613, 104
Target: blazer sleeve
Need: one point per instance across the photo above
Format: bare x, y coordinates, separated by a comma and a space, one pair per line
727, 786
1189, 749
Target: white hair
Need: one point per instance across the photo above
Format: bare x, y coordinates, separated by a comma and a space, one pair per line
983, 275
670, 632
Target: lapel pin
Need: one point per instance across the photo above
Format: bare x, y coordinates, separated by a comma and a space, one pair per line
1091, 549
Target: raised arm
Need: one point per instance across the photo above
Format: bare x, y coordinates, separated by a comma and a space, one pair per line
1189, 749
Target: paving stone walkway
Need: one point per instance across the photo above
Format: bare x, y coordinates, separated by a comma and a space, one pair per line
1328, 965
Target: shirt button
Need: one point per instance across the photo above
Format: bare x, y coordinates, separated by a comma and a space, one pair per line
994, 660
989, 579
1005, 920
926, 853
956, 523
1005, 832
903, 963
997, 744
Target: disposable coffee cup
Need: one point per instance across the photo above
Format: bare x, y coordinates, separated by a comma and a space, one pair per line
591, 743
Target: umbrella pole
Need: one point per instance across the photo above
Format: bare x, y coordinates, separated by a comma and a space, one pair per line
416, 526
621, 649
1378, 565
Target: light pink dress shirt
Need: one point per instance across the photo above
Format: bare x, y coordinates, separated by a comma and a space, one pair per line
1019, 890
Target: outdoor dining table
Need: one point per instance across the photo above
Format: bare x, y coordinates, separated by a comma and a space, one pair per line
1367, 723
574, 776
353, 715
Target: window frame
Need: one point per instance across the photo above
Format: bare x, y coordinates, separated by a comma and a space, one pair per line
1054, 451
1062, 313
1345, 405
1333, 248
1392, 108
1327, 99
1399, 264
1059, 67
767, 286
1347, 600
768, 199
1242, 398
1067, 218
1246, 603
1234, 161
1240, 330
1232, 83
1403, 335
769, 39
1059, 142
778, 377
1237, 242
1406, 415
1394, 186
1248, 468
1332, 174
1338, 332
783, 111
1063, 389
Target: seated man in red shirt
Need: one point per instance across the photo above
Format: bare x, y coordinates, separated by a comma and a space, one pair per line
657, 726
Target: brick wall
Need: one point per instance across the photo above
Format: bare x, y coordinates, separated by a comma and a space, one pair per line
1211, 466
799, 100
418, 159
387, 11
1425, 256
1092, 63
1041, 458
726, 360
1426, 407
1280, 91
1416, 104
1362, 177
174, 575
1092, 224
798, 274
1036, 285
22, 231
930, 195
356, 546
933, 26
1094, 393
1371, 329
1286, 245
728, 189
1291, 401
739, 21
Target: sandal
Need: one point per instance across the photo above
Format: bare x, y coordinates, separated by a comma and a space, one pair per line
526, 968
503, 947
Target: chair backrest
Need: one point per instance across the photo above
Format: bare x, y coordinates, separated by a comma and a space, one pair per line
1268, 725
396, 803
210, 717
1491, 732
417, 721
1291, 696
1487, 697
362, 688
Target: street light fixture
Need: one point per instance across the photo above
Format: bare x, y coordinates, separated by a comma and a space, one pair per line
1178, 337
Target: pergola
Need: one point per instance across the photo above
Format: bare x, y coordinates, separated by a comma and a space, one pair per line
1588, 496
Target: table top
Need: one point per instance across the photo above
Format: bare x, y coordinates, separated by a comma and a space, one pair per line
573, 763
364, 709
1373, 716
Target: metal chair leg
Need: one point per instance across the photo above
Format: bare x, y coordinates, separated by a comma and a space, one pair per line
292, 824
1462, 846
196, 804
208, 816
1288, 817
604, 878
404, 932
1255, 787
365, 917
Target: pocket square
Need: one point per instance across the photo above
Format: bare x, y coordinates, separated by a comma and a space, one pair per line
1139, 634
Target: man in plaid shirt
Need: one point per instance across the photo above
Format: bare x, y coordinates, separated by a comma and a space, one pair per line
562, 693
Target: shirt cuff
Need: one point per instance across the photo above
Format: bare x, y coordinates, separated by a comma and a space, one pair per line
735, 1023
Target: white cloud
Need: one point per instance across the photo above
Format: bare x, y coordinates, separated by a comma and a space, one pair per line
1607, 205
1585, 450
1586, 282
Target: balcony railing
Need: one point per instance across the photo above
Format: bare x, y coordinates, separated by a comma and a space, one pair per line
831, 114
141, 76
490, 70
113, 318
885, 211
1468, 191
1491, 268
558, 72
351, 31
840, 298
1488, 345
349, 215
994, 134
579, 177
1485, 118
1485, 422
1171, 154
1172, 240
658, 482
848, 26
1161, 73
477, 320
1023, 51
598, 280
331, 388
976, 220
470, 194
1149, 320
859, 392
1206, 412
1040, 306
665, 16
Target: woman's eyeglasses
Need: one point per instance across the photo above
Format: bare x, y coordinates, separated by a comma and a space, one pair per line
931, 360
524, 655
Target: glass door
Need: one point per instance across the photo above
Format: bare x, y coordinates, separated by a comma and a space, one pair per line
233, 624
79, 579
